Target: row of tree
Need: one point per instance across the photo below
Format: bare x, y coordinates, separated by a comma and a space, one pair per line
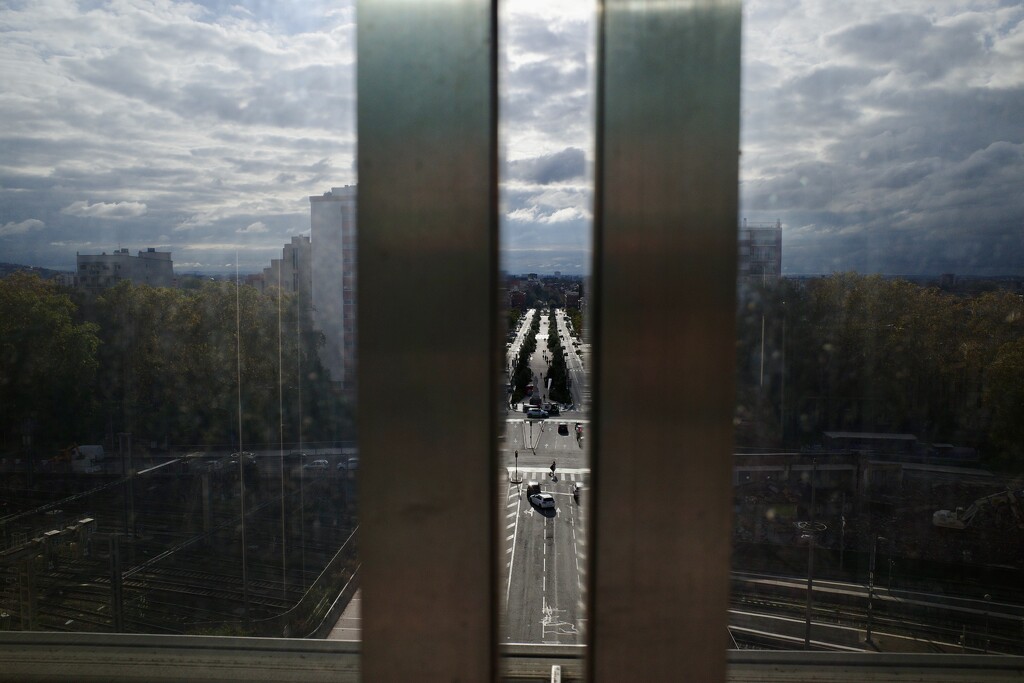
522, 375
866, 353
221, 364
558, 373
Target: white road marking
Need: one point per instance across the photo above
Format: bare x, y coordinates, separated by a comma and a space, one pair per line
512, 552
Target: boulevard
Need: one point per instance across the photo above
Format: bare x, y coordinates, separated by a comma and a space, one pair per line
544, 550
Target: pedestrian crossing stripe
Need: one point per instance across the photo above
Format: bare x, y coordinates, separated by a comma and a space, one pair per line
546, 473
553, 418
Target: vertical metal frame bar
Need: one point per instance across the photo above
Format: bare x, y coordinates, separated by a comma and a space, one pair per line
427, 245
664, 319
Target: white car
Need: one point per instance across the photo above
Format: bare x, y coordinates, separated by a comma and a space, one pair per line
316, 465
543, 500
350, 464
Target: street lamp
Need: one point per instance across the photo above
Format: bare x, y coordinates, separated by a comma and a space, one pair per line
517, 479
811, 529
988, 606
871, 586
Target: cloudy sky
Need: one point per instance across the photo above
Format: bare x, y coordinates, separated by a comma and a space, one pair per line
886, 135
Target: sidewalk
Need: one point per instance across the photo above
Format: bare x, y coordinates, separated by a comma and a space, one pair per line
349, 626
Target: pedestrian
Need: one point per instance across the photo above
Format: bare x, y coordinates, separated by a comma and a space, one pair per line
552, 469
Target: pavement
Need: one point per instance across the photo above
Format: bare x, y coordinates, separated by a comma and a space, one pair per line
349, 626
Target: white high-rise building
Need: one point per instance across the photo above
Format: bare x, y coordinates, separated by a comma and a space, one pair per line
98, 272
333, 236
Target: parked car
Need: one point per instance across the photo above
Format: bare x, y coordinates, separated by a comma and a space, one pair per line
536, 413
316, 465
350, 464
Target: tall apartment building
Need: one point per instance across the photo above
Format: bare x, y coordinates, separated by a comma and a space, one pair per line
760, 257
333, 235
98, 272
293, 272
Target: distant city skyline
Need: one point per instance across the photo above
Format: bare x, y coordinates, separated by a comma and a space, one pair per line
884, 135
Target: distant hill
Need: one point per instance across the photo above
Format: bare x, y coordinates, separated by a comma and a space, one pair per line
45, 273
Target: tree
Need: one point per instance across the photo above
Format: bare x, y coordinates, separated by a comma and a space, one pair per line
47, 363
1004, 396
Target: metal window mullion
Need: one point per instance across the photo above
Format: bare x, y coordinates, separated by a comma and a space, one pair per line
427, 250
665, 268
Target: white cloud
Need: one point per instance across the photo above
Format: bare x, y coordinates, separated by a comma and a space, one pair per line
105, 210
210, 117
12, 228
256, 227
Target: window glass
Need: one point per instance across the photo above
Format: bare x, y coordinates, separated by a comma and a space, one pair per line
177, 442
878, 448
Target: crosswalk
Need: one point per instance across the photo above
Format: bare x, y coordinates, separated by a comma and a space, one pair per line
569, 474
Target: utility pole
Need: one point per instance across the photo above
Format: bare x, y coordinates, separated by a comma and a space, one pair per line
988, 607
871, 587
812, 531
116, 585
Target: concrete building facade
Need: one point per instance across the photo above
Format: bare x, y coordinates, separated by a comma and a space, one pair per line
293, 272
99, 272
760, 247
333, 237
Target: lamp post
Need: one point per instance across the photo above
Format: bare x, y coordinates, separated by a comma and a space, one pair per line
871, 586
517, 479
988, 606
811, 528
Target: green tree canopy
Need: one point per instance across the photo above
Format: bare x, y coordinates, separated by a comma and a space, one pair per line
48, 363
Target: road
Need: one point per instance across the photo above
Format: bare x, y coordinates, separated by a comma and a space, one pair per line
544, 550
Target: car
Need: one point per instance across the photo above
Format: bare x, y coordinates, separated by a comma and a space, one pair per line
316, 465
249, 458
551, 409
563, 428
577, 487
350, 464
532, 488
213, 465
536, 413
543, 500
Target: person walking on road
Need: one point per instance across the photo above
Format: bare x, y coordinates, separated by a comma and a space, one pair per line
552, 469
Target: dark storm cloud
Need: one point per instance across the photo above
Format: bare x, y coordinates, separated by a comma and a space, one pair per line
568, 164
912, 43
885, 134
891, 144
170, 124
